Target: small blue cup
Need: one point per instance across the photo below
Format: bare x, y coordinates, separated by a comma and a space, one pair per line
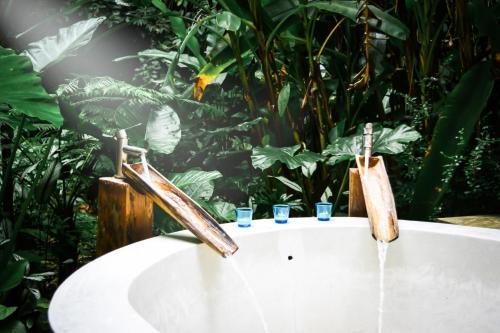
244, 217
323, 211
281, 213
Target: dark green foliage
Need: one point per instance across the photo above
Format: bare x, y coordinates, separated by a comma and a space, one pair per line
459, 114
240, 103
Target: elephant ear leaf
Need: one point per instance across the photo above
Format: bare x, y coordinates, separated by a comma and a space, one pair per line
163, 131
12, 274
198, 184
21, 89
53, 49
265, 157
386, 141
394, 141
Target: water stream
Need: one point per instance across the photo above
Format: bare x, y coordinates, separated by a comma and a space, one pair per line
253, 297
382, 255
145, 167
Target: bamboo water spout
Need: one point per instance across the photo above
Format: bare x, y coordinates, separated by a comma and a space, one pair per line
152, 185
179, 206
377, 192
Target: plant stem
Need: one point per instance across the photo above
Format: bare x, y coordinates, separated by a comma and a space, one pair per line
305, 195
249, 98
24, 207
342, 186
9, 151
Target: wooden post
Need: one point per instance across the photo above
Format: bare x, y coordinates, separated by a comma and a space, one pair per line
357, 206
125, 216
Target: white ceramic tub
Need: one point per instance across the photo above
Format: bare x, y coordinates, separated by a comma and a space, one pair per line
307, 276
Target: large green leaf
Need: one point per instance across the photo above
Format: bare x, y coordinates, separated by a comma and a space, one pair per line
184, 59
243, 127
382, 21
220, 210
393, 141
385, 141
349, 9
343, 149
21, 89
235, 7
197, 184
228, 21
388, 24
457, 118
6, 311
283, 98
53, 49
134, 119
12, 274
294, 186
486, 22
264, 157
160, 5
108, 89
163, 131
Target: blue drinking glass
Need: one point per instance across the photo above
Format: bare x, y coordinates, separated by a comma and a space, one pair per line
281, 213
323, 211
244, 217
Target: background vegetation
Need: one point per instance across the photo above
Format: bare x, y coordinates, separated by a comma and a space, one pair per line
239, 103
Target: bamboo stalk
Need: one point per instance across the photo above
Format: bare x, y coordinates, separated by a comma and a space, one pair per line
379, 199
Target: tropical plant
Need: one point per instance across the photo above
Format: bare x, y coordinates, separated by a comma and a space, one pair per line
309, 73
243, 103
34, 209
17, 108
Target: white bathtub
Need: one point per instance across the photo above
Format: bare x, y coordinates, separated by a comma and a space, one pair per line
307, 276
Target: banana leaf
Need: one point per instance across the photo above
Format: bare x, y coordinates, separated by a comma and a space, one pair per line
458, 116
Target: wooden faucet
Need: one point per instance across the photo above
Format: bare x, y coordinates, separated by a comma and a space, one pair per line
126, 206
370, 192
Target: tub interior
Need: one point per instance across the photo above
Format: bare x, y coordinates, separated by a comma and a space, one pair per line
325, 279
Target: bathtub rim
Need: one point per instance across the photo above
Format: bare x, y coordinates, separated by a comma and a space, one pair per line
100, 289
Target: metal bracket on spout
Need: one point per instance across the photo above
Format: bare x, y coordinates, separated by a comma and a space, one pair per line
134, 151
143, 180
123, 150
368, 139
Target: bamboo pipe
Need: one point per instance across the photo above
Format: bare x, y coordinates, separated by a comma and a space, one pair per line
180, 206
377, 191
379, 199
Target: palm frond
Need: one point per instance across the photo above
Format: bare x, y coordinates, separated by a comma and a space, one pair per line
108, 89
